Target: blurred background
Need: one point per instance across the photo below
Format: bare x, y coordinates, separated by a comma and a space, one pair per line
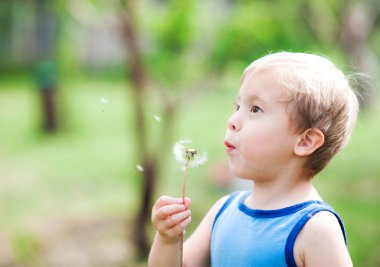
94, 93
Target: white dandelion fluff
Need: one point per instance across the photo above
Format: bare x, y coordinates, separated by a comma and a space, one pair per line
156, 117
103, 100
139, 168
179, 151
188, 156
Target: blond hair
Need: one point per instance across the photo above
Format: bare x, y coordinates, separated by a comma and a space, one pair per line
320, 96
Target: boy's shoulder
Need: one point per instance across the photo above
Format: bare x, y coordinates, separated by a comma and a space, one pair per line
323, 224
321, 235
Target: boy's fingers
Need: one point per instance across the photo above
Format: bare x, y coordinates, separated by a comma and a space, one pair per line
179, 228
165, 211
164, 226
165, 200
177, 218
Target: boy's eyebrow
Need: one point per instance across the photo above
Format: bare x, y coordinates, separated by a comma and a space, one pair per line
252, 98
255, 97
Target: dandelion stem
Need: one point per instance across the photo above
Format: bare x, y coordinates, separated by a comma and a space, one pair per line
184, 182
181, 250
183, 200
188, 158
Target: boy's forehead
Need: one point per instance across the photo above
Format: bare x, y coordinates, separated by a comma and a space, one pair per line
262, 84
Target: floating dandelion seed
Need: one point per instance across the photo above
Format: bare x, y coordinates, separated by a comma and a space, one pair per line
187, 157
139, 168
103, 100
157, 118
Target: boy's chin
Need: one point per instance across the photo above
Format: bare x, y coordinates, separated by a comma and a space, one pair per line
239, 174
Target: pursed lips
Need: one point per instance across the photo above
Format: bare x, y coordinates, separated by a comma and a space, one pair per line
229, 147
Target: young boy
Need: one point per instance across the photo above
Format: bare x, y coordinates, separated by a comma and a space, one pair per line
294, 112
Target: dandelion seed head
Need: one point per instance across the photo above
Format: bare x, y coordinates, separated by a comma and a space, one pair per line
190, 153
198, 160
179, 151
185, 155
139, 168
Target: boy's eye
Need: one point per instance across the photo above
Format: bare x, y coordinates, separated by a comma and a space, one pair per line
256, 109
237, 107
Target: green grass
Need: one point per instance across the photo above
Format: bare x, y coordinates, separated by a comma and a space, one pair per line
87, 163
87, 169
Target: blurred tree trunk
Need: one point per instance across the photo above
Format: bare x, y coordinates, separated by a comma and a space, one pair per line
48, 96
45, 72
138, 86
144, 154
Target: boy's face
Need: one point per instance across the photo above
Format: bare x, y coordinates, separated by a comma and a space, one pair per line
259, 139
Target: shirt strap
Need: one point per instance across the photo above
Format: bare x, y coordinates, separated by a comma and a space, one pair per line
225, 205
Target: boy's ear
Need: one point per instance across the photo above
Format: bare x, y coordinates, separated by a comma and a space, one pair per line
309, 141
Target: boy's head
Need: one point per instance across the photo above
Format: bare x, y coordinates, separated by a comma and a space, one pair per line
317, 95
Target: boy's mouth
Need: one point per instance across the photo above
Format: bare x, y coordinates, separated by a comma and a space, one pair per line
229, 146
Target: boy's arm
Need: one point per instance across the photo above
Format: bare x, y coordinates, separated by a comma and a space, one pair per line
197, 247
321, 243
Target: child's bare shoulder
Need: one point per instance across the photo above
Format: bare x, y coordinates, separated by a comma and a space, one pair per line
217, 206
321, 235
324, 225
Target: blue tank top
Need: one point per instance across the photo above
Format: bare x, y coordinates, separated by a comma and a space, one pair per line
242, 236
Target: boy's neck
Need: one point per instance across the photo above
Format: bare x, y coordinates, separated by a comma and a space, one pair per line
278, 194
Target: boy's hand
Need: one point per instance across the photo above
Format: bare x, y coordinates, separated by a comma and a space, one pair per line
171, 217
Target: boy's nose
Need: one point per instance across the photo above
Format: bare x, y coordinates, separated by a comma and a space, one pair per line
233, 123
